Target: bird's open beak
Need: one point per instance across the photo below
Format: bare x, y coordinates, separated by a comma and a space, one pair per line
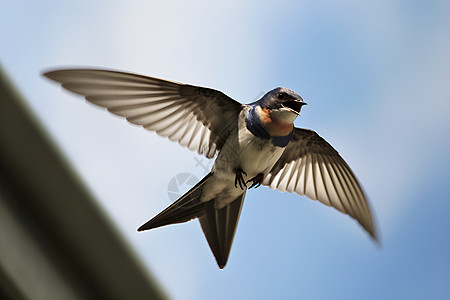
294, 105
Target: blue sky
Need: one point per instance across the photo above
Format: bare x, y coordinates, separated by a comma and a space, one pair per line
375, 76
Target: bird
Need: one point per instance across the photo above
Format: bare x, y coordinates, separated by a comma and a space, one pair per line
253, 144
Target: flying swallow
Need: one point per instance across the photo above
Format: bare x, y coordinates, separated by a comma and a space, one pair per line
255, 144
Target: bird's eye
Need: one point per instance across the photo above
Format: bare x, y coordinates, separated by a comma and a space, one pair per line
282, 96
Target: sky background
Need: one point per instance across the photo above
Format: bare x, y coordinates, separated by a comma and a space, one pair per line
375, 76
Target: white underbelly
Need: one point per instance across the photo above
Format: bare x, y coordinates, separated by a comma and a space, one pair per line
251, 154
253, 157
259, 156
241, 150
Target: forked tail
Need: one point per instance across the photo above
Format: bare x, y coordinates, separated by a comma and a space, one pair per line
218, 225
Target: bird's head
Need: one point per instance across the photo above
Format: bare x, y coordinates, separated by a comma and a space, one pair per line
282, 104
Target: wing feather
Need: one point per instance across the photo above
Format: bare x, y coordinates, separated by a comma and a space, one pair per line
196, 117
310, 166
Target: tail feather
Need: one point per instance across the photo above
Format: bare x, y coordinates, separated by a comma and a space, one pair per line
184, 209
218, 225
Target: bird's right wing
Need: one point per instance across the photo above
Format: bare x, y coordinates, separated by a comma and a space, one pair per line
196, 117
312, 167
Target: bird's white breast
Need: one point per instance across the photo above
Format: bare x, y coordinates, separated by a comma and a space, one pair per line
257, 155
241, 150
244, 150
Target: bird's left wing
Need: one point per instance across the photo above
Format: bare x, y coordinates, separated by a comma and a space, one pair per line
312, 167
196, 117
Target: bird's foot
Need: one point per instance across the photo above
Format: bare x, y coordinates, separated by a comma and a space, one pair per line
256, 181
239, 179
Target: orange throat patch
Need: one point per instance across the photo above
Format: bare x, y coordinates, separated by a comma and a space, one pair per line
273, 126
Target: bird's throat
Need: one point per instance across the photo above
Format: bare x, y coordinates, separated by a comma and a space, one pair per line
279, 134
273, 123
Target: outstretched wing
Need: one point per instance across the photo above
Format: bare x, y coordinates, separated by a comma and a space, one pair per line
310, 166
196, 117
